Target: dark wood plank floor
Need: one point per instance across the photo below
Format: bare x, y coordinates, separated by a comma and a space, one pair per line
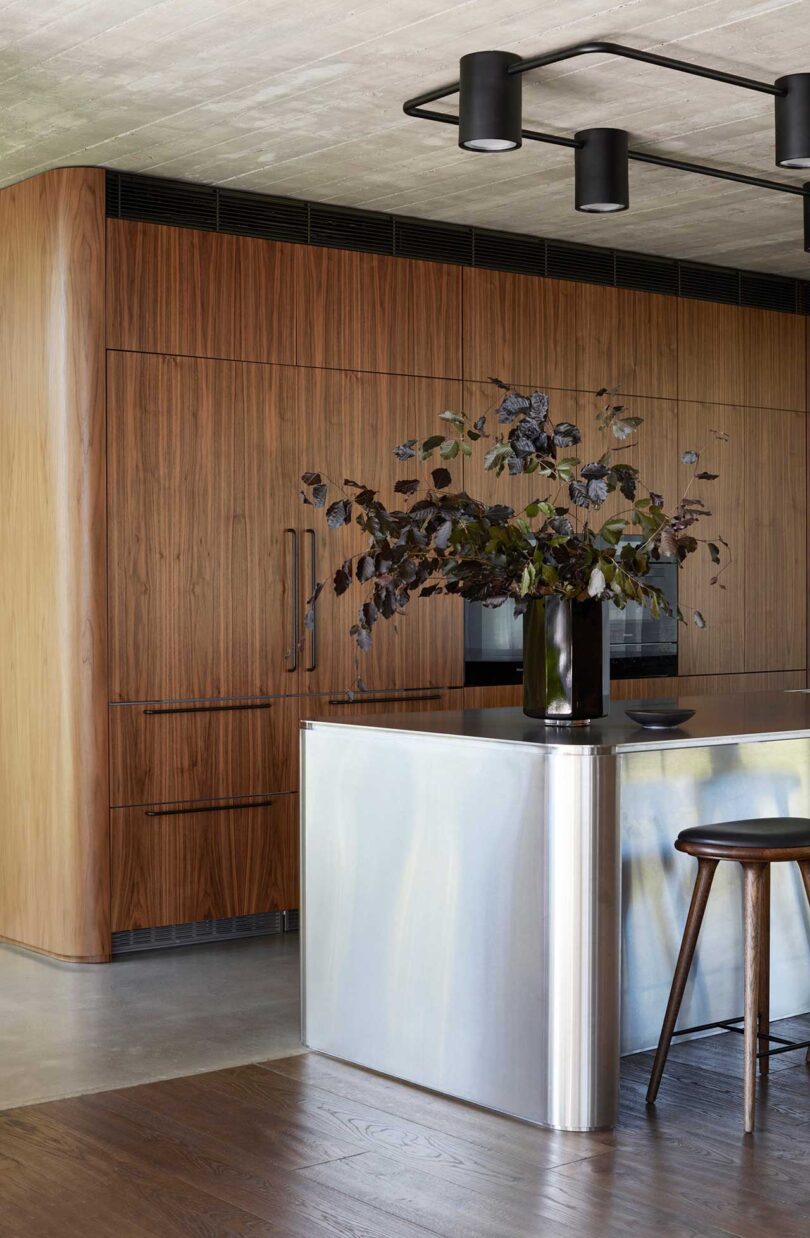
306, 1147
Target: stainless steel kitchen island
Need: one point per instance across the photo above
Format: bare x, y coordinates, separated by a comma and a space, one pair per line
492, 907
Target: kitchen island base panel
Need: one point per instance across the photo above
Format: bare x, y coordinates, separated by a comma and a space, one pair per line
461, 918
464, 896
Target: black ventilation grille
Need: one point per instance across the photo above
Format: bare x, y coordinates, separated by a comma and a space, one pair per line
198, 932
709, 283
437, 242
646, 274
768, 292
592, 266
178, 203
187, 205
509, 251
346, 229
274, 219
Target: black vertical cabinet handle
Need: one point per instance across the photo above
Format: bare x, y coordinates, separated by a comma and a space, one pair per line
313, 580
293, 655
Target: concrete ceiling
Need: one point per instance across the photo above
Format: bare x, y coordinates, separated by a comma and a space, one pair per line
305, 99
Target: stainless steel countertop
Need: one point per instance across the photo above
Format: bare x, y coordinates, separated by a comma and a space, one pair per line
745, 718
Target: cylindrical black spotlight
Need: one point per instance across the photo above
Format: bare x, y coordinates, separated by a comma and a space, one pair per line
792, 114
601, 182
806, 188
490, 102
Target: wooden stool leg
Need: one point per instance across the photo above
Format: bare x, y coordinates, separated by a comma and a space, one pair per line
700, 895
804, 869
752, 876
764, 1021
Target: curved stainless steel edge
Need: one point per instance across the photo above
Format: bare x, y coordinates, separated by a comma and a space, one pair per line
461, 927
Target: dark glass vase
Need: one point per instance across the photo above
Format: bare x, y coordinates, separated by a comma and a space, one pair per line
564, 660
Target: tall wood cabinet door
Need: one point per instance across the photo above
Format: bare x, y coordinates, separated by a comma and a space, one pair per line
372, 312
519, 328
719, 647
653, 450
775, 547
202, 462
350, 426
628, 340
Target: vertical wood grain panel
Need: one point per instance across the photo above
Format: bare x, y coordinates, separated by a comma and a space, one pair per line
775, 546
720, 646
353, 421
54, 869
199, 751
519, 328
203, 865
773, 359
628, 340
653, 450
203, 484
725, 685
387, 315
175, 290
733, 355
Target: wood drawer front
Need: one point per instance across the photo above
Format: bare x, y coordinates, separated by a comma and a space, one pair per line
342, 705
198, 863
161, 753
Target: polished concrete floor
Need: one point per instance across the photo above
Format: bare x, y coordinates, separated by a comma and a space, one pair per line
67, 1029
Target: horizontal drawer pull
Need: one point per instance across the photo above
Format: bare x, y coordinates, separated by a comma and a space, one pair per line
181, 812
384, 700
207, 709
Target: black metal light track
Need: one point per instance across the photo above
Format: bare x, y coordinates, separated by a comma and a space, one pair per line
494, 108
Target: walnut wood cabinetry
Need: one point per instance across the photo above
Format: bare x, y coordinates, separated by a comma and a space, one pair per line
359, 311
175, 290
627, 340
349, 424
519, 328
730, 355
759, 504
202, 470
183, 862
163, 566
164, 751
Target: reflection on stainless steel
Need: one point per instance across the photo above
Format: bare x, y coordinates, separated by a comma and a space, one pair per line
661, 794
461, 930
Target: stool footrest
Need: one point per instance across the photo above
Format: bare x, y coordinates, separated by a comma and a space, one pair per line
729, 1025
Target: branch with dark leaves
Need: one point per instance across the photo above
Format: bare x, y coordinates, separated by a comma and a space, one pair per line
444, 541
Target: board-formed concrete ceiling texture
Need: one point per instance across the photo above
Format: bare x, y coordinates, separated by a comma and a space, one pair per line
305, 99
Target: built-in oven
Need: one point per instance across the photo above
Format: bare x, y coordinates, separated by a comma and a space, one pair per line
640, 646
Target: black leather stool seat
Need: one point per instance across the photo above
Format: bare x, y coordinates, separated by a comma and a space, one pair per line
766, 832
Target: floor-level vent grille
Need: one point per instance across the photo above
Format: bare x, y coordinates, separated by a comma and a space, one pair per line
197, 932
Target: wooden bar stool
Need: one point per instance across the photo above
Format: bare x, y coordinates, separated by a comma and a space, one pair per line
755, 845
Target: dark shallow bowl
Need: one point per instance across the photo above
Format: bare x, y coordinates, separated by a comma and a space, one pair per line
660, 719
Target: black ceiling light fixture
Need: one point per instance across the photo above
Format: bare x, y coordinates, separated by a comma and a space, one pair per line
490, 102
793, 121
490, 120
601, 181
